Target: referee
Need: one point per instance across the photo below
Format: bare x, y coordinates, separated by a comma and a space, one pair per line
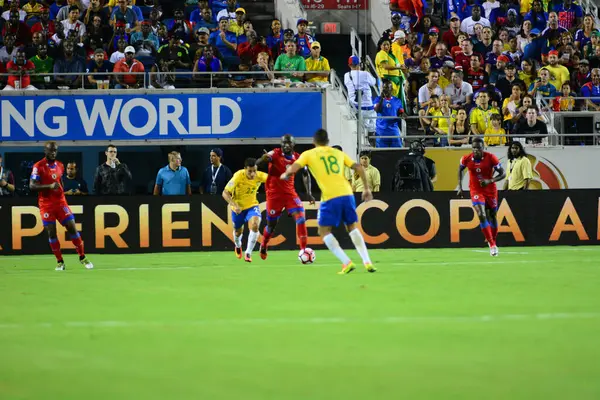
519, 173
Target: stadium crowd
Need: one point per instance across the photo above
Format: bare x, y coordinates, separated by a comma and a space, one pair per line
121, 36
482, 68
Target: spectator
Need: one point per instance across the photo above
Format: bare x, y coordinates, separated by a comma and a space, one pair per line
303, 39
372, 173
388, 66
173, 179
316, 62
218, 5
9, 51
202, 42
145, 42
71, 184
583, 75
542, 85
279, 49
569, 14
475, 18
463, 58
119, 33
207, 62
31, 49
386, 105
491, 58
72, 26
460, 129
399, 47
592, 90
180, 27
512, 24
440, 126
44, 25
126, 14
252, 48
98, 64
69, 63
513, 53
558, 73
584, 36
537, 16
203, 19
112, 177
63, 13
215, 177
445, 74
520, 173
440, 57
155, 21
225, 41
7, 180
243, 37
14, 6
428, 90
135, 78
291, 62
476, 76
527, 73
504, 85
236, 25
19, 29
450, 37
554, 30
120, 53
566, 102
33, 9
497, 71
161, 76
532, 126
275, 38
175, 54
96, 9
481, 115
240, 80
511, 105
100, 32
492, 133
263, 66
229, 11
44, 64
55, 9
459, 91
524, 36
486, 45
396, 21
488, 6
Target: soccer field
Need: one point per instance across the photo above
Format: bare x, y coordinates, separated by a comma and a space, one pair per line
430, 324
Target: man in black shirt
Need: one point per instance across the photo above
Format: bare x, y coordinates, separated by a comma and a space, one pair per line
216, 175
71, 184
504, 85
112, 177
532, 126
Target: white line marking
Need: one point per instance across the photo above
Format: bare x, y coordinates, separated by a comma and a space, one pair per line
503, 252
310, 321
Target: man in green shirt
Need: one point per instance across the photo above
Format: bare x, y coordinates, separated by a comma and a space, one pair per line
44, 64
291, 61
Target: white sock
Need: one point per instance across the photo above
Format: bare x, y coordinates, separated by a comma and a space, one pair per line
361, 247
334, 246
237, 239
252, 239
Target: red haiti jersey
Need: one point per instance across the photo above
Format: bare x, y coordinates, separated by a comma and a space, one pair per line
46, 173
479, 170
279, 162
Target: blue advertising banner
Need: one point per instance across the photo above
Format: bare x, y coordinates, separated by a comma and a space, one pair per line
159, 116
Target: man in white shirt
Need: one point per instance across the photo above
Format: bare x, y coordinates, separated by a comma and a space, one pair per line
459, 91
71, 26
469, 23
361, 81
14, 6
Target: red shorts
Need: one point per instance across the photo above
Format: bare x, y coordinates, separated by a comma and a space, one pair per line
487, 199
60, 212
276, 204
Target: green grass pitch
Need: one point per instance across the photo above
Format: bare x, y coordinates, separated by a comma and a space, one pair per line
430, 324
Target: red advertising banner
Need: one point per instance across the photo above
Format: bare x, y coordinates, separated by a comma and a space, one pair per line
335, 4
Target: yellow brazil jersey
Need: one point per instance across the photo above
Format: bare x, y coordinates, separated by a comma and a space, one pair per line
243, 190
558, 75
494, 140
482, 118
320, 64
328, 166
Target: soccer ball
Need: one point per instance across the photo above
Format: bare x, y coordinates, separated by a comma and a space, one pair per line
307, 256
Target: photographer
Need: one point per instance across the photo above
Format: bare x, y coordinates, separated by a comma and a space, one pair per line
414, 172
361, 81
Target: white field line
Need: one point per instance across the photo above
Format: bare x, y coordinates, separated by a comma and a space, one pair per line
503, 252
308, 321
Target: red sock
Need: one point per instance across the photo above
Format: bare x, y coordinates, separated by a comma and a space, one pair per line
494, 230
487, 232
301, 231
55, 246
78, 244
266, 236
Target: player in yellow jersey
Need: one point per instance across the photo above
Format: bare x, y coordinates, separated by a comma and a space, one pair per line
327, 165
240, 193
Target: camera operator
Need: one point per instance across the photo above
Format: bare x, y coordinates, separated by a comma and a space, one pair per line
414, 171
7, 180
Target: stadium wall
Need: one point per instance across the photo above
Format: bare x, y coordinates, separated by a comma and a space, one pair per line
146, 224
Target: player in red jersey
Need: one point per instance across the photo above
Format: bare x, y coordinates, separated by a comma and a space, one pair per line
282, 194
46, 179
482, 185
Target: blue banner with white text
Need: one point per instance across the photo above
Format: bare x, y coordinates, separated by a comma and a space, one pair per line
159, 116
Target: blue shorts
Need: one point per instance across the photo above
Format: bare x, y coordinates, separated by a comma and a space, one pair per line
388, 141
336, 210
240, 219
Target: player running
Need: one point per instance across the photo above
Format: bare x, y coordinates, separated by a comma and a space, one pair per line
482, 185
282, 194
46, 179
240, 193
337, 200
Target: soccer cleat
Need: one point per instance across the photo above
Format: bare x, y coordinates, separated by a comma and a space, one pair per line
247, 257
346, 269
238, 252
87, 263
494, 251
370, 268
60, 266
263, 252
